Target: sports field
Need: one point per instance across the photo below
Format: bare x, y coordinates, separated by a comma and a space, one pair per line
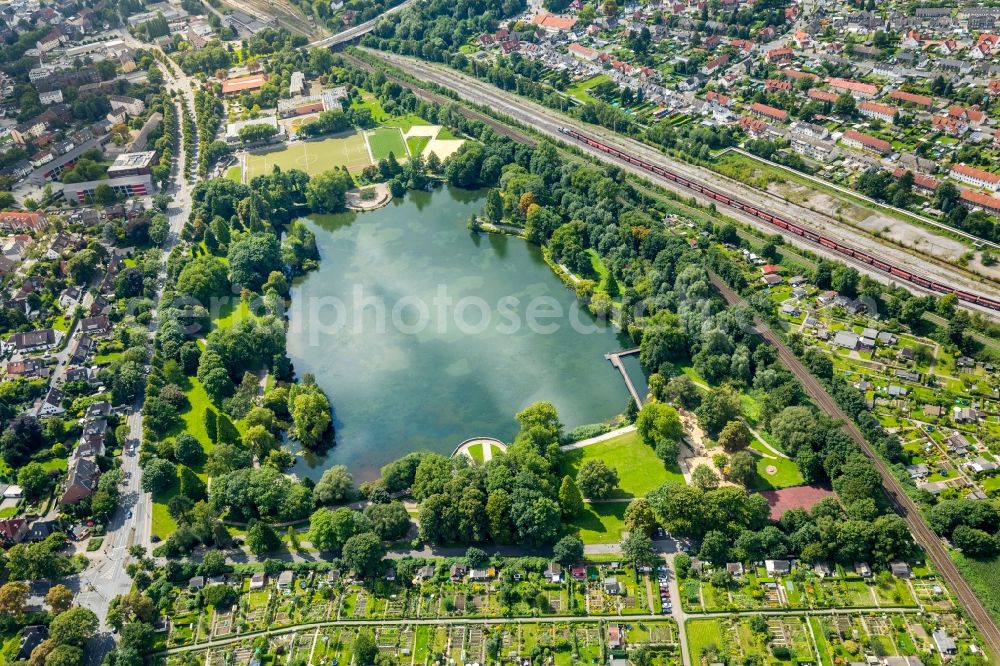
385, 140
313, 157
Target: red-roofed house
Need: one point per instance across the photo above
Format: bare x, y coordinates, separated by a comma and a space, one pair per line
753, 126
796, 74
883, 112
822, 95
772, 85
718, 98
243, 84
950, 125
552, 23
714, 64
779, 55
911, 42
993, 87
978, 199
975, 177
911, 98
744, 45
20, 221
582, 52
865, 142
924, 183
971, 115
769, 112
856, 88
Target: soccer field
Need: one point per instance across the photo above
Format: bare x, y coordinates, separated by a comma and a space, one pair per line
385, 140
313, 157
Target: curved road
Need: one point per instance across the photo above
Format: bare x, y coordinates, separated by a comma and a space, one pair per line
905, 506
358, 30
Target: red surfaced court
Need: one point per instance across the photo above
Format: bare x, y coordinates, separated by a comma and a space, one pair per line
799, 497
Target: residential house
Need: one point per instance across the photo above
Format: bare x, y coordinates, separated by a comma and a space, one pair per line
883, 112
51, 404
769, 112
21, 221
857, 88
822, 95
975, 177
922, 101
31, 341
865, 142
13, 530
81, 480
98, 325
31, 637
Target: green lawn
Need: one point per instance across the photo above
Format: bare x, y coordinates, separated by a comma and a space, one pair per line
405, 122
8, 512
600, 523
786, 473
639, 470
476, 451
370, 102
701, 634
984, 577
194, 418
581, 90
55, 465
416, 144
386, 140
163, 524
104, 359
232, 313
313, 157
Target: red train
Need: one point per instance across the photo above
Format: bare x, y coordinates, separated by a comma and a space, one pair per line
808, 234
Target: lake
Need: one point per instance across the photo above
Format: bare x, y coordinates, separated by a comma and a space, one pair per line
424, 334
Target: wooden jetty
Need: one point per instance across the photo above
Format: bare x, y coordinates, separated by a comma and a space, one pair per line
616, 361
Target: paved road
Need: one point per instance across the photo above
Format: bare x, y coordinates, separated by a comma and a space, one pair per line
106, 576
905, 506
548, 121
358, 30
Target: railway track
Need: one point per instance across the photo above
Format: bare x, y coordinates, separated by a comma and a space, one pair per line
549, 122
865, 258
428, 96
901, 502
